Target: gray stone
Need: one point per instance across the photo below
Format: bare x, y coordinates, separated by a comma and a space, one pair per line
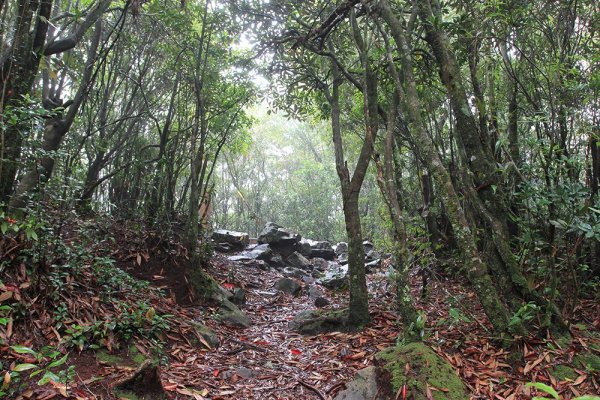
319, 264
343, 259
304, 247
261, 252
368, 246
277, 235
231, 315
321, 302
340, 248
315, 291
335, 277
370, 266
244, 372
292, 272
236, 239
313, 248
297, 260
239, 296
208, 336
287, 285
362, 387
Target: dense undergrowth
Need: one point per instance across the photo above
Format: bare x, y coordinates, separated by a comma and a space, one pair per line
62, 293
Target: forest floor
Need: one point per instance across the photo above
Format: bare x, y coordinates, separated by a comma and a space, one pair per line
269, 361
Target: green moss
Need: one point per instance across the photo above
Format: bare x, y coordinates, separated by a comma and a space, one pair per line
122, 394
137, 357
563, 372
426, 369
588, 361
110, 359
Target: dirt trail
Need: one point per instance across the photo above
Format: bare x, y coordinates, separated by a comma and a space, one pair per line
268, 360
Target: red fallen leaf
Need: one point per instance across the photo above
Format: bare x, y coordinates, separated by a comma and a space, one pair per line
262, 342
216, 373
244, 339
295, 352
170, 388
228, 285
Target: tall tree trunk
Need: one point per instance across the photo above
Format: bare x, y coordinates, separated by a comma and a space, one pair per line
56, 129
477, 271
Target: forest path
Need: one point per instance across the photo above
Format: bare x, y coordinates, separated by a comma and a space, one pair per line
268, 360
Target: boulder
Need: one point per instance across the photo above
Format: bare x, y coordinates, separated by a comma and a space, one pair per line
368, 246
315, 291
320, 264
341, 248
427, 370
343, 259
205, 336
231, 315
288, 286
313, 248
276, 235
292, 272
237, 239
297, 260
335, 277
262, 252
239, 296
362, 387
370, 266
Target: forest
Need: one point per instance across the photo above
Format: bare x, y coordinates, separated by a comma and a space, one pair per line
320, 199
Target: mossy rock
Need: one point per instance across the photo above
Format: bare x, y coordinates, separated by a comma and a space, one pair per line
426, 369
587, 361
209, 337
312, 322
563, 372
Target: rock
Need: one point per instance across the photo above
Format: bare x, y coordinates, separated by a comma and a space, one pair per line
362, 387
335, 277
261, 252
289, 286
236, 239
343, 259
311, 322
231, 315
315, 291
244, 372
224, 247
276, 235
368, 246
209, 337
321, 302
427, 369
341, 248
297, 260
277, 262
320, 264
291, 272
239, 296
373, 255
313, 248
304, 247
370, 266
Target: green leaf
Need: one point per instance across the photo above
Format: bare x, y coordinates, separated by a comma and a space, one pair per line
23, 350
587, 398
58, 362
48, 376
24, 367
544, 388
